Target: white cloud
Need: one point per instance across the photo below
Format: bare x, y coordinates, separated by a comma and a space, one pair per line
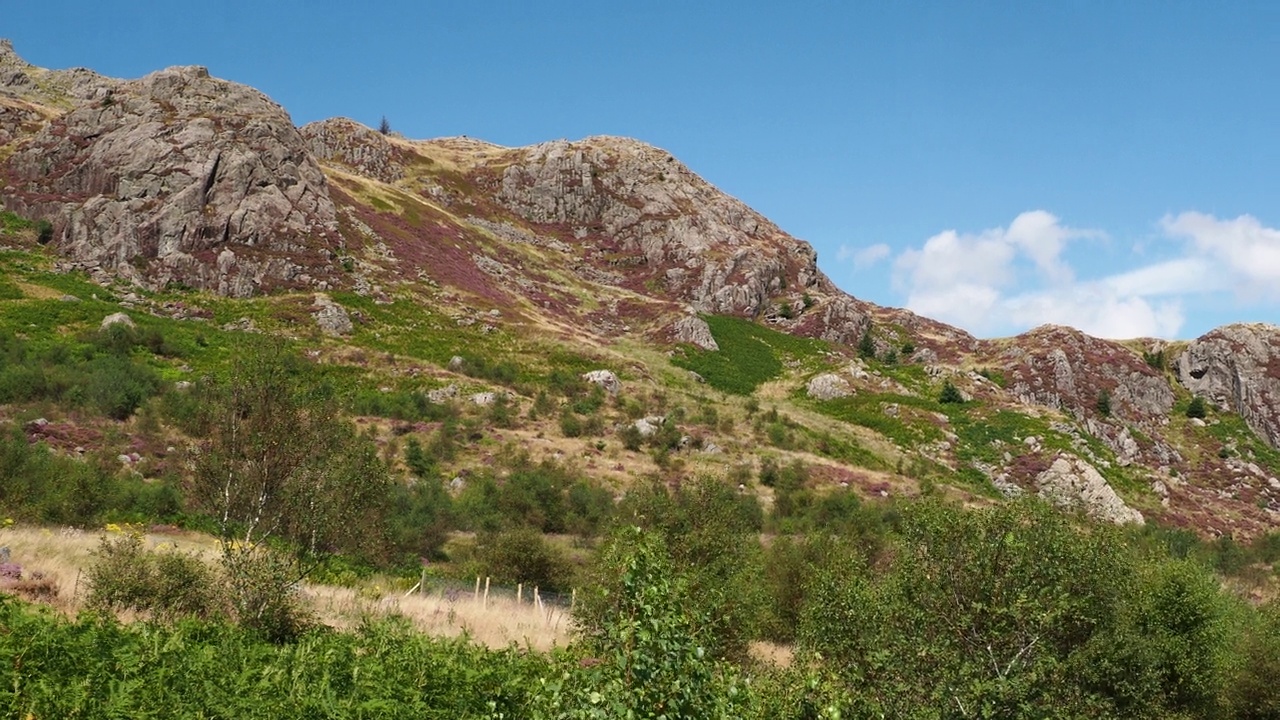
1246, 253
1038, 234
1175, 277
1007, 280
949, 259
1097, 310
867, 256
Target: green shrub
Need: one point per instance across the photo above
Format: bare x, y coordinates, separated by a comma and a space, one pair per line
950, 393
1103, 404
867, 345
718, 552
523, 555
643, 650
570, 424
1196, 408
165, 585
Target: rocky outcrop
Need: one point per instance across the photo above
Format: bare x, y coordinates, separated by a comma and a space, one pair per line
1075, 484
58, 88
1061, 367
635, 206
828, 386
330, 317
1237, 367
116, 319
177, 177
362, 150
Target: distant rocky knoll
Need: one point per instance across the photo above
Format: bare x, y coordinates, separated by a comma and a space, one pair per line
177, 177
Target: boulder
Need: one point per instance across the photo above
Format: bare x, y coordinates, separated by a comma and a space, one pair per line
442, 395
116, 319
828, 386
648, 426
606, 379
330, 317
695, 331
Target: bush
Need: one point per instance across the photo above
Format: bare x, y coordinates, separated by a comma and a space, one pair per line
571, 425
1103, 404
1196, 408
523, 555
165, 585
718, 553
867, 345
950, 394
643, 646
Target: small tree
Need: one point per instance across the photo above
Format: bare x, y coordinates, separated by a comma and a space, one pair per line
866, 345
643, 645
279, 468
950, 393
1197, 408
1103, 404
384, 127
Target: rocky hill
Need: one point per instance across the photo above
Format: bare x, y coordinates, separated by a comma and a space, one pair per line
181, 190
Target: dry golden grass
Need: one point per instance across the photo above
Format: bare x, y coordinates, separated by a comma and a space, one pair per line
61, 556
496, 623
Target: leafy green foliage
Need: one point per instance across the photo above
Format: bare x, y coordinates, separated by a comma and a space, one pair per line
867, 345
40, 486
1103, 403
94, 667
717, 553
1013, 612
643, 646
523, 555
101, 375
165, 585
278, 464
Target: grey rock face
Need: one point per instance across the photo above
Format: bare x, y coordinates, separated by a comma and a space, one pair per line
695, 331
1073, 483
648, 426
1238, 368
347, 142
178, 177
116, 319
1063, 368
638, 203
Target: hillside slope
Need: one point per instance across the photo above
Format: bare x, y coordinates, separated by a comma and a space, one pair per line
193, 197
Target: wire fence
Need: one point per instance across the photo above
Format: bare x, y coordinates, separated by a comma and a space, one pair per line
483, 590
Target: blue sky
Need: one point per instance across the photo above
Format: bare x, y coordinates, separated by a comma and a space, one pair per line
996, 165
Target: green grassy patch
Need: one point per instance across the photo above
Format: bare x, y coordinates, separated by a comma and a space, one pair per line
749, 354
911, 427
